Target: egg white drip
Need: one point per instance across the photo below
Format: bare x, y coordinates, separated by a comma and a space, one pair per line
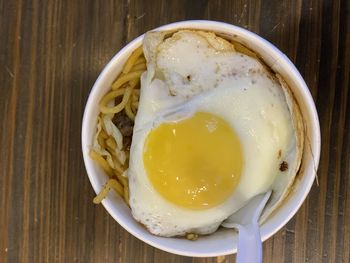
245, 96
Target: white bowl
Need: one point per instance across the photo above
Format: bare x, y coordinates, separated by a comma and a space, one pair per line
224, 241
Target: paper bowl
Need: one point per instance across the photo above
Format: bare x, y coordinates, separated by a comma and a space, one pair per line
224, 241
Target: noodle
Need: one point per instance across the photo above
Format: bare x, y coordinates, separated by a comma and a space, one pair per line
242, 49
117, 166
111, 143
191, 236
135, 100
112, 183
125, 78
103, 134
122, 179
140, 60
134, 106
129, 111
126, 194
141, 66
135, 94
102, 162
108, 141
101, 141
113, 95
131, 60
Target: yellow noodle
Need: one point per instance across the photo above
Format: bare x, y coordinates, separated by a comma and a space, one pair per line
123, 180
135, 104
112, 95
242, 49
117, 187
140, 60
102, 162
104, 134
133, 108
121, 105
125, 78
126, 194
141, 66
191, 236
131, 60
103, 123
111, 143
129, 112
111, 151
135, 94
117, 165
126, 85
112, 183
101, 141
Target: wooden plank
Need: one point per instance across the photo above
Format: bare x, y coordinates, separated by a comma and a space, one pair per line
51, 53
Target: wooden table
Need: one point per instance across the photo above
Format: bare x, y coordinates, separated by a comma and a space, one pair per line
51, 52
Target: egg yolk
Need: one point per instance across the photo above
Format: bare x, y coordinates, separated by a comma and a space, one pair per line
195, 163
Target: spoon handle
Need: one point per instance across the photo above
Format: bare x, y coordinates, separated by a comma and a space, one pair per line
249, 245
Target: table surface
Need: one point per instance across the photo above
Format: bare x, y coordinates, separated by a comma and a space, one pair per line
51, 53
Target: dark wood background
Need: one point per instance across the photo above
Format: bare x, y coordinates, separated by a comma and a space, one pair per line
51, 52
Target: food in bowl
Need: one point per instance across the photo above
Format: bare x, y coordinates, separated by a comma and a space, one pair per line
111, 143
212, 126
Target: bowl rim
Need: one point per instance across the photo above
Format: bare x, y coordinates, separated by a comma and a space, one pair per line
277, 55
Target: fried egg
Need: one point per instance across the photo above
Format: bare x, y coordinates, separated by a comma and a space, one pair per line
212, 129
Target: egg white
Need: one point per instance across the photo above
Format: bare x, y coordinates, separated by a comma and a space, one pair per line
223, 82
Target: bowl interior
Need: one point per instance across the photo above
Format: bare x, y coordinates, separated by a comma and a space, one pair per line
224, 241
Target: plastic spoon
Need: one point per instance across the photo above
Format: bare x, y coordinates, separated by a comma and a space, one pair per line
246, 221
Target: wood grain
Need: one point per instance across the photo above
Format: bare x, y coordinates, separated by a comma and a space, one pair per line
51, 52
